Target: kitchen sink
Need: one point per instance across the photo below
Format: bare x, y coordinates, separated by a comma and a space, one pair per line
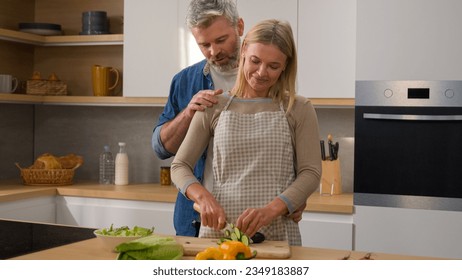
22, 237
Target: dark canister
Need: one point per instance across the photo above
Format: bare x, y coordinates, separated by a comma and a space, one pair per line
94, 22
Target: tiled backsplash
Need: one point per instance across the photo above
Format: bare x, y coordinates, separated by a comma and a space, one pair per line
27, 131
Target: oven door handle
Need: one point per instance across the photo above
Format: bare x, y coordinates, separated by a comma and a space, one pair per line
401, 117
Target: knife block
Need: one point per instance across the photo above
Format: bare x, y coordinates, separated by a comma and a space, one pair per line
331, 178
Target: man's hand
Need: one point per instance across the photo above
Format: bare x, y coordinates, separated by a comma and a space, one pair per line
201, 100
174, 131
296, 216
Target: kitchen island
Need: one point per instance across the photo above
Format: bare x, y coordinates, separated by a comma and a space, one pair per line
91, 249
326, 223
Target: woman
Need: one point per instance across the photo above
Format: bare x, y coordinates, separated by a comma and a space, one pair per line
266, 153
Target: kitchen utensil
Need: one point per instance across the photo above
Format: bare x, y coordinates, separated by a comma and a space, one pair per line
198, 209
330, 145
110, 242
94, 22
101, 78
257, 238
40, 28
8, 83
333, 148
323, 150
265, 250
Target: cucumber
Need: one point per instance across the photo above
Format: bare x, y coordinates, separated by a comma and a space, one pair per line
238, 233
235, 234
245, 240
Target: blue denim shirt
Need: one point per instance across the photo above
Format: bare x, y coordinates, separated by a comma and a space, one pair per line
184, 86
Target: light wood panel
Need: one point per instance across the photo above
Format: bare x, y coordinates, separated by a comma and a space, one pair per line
92, 249
68, 13
73, 65
16, 59
13, 12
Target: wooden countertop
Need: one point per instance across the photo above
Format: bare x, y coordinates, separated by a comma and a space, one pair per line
91, 249
13, 190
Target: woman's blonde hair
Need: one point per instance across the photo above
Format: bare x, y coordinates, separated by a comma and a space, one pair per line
277, 33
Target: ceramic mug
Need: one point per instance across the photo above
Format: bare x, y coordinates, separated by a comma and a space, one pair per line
8, 83
102, 77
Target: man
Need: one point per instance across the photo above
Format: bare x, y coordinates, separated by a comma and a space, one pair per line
216, 27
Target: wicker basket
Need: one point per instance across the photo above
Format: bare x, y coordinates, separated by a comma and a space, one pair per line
44, 87
54, 177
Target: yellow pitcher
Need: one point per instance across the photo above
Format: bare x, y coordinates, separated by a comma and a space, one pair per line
102, 77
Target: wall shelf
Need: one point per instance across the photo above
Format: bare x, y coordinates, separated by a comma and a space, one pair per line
133, 101
65, 40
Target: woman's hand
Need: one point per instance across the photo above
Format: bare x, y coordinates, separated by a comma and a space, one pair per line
212, 214
252, 219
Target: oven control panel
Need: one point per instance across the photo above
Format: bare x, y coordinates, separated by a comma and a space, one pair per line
409, 93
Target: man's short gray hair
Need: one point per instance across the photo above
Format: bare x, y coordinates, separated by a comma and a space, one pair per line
202, 13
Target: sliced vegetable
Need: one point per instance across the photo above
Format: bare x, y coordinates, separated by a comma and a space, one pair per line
211, 253
234, 234
228, 250
236, 250
125, 231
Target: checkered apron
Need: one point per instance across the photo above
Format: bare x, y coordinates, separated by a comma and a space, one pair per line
253, 162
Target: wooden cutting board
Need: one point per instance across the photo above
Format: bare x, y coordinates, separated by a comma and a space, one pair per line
265, 250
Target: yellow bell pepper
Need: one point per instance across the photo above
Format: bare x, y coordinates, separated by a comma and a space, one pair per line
235, 250
211, 253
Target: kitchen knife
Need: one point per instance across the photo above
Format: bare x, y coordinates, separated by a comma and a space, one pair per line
336, 147
330, 146
198, 209
323, 150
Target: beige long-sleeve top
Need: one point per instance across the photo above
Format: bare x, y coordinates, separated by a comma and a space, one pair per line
303, 124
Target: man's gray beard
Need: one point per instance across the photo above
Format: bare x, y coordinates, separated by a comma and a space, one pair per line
233, 62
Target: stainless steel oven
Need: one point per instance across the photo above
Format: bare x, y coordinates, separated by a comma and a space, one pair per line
408, 144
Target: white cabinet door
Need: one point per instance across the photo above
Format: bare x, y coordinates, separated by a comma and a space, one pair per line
326, 48
99, 213
151, 47
253, 11
324, 230
39, 209
409, 40
414, 232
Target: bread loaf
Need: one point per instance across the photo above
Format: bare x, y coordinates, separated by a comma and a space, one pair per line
49, 161
70, 161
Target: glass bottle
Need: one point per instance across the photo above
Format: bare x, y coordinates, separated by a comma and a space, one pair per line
121, 165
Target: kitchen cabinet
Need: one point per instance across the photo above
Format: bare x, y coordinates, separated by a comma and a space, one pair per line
151, 48
324, 30
69, 56
408, 40
327, 230
36, 209
147, 60
100, 212
417, 232
326, 48
253, 11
